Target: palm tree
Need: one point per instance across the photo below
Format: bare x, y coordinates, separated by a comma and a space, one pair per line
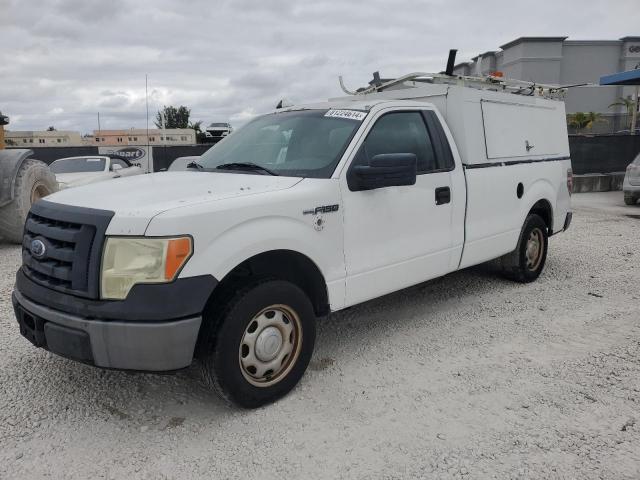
580, 120
628, 104
197, 126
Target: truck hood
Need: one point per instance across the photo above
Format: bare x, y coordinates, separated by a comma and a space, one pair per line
136, 200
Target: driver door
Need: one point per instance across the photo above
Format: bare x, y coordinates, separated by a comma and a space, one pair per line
398, 236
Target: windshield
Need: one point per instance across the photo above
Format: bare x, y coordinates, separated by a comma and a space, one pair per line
73, 165
302, 143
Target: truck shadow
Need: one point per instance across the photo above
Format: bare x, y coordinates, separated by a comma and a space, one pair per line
424, 302
167, 401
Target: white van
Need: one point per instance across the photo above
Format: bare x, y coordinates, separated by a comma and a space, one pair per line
304, 211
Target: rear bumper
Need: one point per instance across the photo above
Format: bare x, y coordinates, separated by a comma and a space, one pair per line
147, 346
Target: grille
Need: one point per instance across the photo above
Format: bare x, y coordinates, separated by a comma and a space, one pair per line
65, 263
72, 239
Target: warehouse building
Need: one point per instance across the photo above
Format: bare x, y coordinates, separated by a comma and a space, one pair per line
45, 138
138, 136
558, 61
107, 138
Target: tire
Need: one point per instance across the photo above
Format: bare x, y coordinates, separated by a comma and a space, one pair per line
33, 181
525, 263
239, 361
630, 199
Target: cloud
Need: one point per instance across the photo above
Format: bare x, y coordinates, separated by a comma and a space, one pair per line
64, 61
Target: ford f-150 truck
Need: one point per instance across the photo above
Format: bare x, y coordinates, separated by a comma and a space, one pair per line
304, 211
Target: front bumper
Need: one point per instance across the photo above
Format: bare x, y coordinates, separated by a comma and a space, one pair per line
135, 334
110, 344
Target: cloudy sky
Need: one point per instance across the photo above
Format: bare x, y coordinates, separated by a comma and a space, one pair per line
62, 61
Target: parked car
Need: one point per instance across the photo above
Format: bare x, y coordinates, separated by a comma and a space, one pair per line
76, 171
304, 211
631, 184
217, 131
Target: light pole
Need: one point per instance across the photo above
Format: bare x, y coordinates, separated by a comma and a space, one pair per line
634, 112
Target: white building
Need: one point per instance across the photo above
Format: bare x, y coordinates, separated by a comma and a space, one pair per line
138, 136
35, 138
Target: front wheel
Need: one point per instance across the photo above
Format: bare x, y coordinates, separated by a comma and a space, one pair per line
260, 344
526, 262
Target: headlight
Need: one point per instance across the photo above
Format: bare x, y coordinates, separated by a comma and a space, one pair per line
128, 260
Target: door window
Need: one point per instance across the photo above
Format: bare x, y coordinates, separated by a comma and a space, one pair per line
399, 132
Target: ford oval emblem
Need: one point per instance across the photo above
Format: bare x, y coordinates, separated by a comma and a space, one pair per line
38, 248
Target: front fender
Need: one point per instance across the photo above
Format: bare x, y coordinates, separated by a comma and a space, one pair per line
255, 236
228, 232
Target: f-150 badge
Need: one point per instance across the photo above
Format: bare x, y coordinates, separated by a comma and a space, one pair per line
318, 221
322, 209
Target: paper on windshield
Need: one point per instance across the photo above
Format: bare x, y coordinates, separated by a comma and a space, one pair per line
348, 114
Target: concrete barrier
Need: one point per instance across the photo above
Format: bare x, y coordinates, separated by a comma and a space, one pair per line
598, 182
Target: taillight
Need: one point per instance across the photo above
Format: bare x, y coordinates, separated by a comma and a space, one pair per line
570, 180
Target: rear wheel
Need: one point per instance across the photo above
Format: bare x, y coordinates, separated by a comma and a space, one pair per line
34, 181
630, 199
260, 343
526, 262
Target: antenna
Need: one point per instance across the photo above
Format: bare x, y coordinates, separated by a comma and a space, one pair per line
376, 79
451, 61
146, 99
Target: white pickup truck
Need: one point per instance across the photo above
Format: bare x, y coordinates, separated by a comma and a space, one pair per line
303, 211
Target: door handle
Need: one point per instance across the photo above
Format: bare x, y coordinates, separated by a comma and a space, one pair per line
443, 195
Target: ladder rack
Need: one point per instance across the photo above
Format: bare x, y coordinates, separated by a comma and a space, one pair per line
489, 82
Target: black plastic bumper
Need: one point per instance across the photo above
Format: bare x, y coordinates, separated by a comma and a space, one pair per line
153, 329
67, 342
160, 302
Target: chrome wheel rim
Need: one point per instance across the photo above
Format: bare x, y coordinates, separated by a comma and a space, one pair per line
270, 345
534, 249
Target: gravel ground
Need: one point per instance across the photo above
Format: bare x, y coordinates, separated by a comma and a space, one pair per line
468, 376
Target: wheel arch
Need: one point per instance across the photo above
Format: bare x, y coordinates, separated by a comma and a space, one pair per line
544, 209
288, 265
283, 264
538, 199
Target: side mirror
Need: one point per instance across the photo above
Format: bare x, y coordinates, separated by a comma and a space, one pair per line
384, 170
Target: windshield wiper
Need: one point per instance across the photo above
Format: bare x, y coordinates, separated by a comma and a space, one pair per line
194, 164
245, 166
